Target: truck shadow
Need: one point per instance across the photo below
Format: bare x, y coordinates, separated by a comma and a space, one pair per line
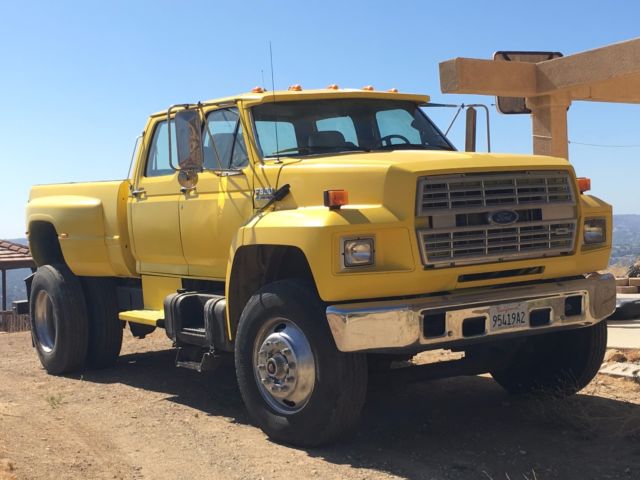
455, 428
212, 393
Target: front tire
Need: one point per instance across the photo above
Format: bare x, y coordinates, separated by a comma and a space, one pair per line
297, 387
559, 364
59, 325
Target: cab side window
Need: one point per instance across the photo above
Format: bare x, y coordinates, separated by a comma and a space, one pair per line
224, 147
158, 156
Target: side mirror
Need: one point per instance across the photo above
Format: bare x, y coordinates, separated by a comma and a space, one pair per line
189, 140
517, 105
470, 131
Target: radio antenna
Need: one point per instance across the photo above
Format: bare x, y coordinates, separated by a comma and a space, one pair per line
273, 93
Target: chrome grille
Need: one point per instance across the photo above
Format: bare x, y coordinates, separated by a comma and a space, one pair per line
472, 244
460, 213
477, 192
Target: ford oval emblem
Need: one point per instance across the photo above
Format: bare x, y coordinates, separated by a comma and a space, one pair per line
503, 217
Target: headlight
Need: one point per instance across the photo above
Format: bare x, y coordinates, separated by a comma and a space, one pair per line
358, 252
595, 231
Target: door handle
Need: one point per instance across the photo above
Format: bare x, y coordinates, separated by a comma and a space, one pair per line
187, 189
138, 191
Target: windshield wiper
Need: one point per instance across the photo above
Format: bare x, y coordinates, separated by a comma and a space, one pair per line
412, 146
289, 150
311, 150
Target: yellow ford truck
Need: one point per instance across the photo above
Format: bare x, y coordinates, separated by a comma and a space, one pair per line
314, 234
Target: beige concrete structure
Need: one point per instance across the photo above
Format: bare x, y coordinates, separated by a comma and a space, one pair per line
607, 74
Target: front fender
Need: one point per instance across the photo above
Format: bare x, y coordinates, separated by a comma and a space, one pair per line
317, 232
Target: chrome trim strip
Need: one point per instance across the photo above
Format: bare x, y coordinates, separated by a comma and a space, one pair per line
397, 324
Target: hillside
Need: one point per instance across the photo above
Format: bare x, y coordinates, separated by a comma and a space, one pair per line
626, 239
626, 250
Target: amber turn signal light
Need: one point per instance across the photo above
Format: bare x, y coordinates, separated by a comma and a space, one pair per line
584, 184
334, 199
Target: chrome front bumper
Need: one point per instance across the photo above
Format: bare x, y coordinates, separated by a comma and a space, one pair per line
400, 324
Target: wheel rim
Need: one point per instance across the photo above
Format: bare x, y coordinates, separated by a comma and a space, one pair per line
44, 321
284, 366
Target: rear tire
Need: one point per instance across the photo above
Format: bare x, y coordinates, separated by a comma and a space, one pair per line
557, 364
59, 325
105, 328
297, 387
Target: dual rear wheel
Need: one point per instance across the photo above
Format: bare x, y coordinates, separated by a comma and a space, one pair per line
74, 321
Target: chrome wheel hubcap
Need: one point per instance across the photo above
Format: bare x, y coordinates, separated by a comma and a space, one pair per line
284, 366
44, 321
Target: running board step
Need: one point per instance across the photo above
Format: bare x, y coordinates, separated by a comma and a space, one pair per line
185, 359
194, 336
145, 317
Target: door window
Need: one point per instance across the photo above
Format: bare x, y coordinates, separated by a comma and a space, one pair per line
158, 157
224, 146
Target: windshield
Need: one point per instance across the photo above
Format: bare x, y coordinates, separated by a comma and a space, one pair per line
299, 128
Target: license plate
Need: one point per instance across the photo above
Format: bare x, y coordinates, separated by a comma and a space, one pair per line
512, 315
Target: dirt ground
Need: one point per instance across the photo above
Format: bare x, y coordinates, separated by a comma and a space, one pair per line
146, 419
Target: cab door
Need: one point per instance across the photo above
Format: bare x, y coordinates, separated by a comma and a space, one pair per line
154, 209
222, 201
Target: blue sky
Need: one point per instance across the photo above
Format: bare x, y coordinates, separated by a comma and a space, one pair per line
78, 79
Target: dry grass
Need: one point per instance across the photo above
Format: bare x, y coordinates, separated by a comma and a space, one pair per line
622, 356
525, 476
617, 270
54, 401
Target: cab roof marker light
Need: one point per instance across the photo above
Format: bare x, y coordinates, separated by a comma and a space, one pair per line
257, 90
368, 88
333, 86
393, 90
295, 88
